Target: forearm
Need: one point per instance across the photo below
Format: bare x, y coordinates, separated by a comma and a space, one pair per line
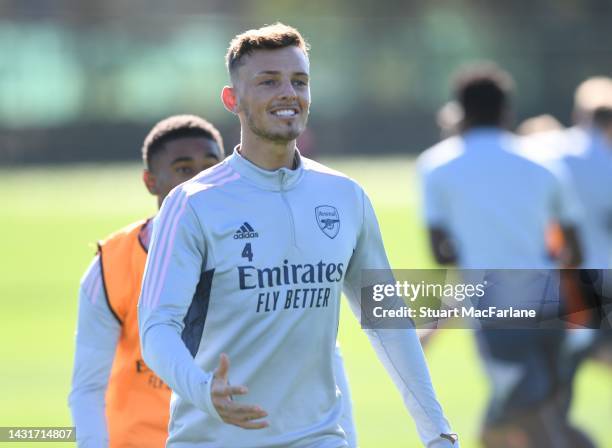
96, 341
402, 355
165, 353
86, 398
347, 422
399, 350
168, 290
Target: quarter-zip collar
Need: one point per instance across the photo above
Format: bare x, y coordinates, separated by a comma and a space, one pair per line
282, 179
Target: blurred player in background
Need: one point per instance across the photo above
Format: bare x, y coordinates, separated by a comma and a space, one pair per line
534, 126
586, 151
483, 214
537, 124
114, 395
248, 262
448, 119
588, 156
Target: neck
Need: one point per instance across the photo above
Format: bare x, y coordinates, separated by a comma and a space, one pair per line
267, 154
474, 127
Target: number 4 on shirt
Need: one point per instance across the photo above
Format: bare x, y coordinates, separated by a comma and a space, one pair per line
247, 252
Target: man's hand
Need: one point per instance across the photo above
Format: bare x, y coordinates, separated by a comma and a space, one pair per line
231, 412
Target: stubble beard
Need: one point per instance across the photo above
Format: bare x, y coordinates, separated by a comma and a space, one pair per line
276, 137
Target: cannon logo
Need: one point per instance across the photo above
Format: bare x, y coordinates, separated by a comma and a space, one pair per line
328, 220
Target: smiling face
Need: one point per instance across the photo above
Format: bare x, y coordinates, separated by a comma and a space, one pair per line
272, 93
178, 161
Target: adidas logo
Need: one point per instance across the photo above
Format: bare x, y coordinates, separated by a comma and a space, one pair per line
245, 231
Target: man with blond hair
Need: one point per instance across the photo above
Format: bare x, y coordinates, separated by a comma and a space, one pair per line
248, 263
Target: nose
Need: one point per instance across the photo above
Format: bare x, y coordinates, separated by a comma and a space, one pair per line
287, 90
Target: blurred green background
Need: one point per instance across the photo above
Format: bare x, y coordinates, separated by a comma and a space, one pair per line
51, 219
85, 80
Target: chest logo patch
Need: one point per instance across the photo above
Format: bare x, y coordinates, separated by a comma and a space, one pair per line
328, 220
245, 231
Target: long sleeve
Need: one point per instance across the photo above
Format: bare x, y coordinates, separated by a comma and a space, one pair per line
398, 349
433, 199
96, 341
174, 265
566, 206
347, 422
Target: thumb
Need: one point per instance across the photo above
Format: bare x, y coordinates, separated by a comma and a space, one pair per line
223, 369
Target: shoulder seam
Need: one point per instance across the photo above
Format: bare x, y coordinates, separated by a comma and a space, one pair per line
194, 187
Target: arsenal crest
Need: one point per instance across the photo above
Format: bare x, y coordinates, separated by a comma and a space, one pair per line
328, 220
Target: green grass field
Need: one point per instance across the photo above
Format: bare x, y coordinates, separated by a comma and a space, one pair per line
50, 219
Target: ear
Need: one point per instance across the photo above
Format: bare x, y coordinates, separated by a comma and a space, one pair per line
229, 99
150, 181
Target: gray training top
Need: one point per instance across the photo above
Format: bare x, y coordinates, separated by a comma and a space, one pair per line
252, 263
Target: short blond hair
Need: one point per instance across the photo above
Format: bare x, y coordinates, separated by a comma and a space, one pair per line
537, 124
269, 37
592, 94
